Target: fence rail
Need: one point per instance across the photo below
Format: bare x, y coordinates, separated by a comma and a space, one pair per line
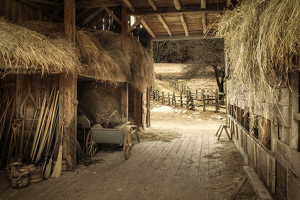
190, 100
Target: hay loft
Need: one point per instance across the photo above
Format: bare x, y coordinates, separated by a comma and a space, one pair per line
262, 40
101, 54
25, 49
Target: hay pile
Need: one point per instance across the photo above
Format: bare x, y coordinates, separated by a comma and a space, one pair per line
98, 104
51, 30
98, 61
137, 59
261, 39
22, 48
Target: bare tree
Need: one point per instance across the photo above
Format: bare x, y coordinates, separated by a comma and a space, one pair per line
207, 53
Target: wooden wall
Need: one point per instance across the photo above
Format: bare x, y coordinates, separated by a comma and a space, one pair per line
271, 148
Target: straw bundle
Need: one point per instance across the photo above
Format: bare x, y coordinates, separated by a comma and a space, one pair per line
98, 60
22, 48
261, 39
138, 59
51, 30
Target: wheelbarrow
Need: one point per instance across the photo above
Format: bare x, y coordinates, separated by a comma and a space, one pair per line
120, 135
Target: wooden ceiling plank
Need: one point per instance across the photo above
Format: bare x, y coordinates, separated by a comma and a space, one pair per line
46, 2
184, 24
112, 14
91, 16
129, 5
152, 4
97, 3
138, 20
184, 10
164, 23
203, 4
148, 29
82, 13
177, 4
182, 37
204, 23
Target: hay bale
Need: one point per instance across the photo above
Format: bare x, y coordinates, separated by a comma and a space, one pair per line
25, 49
51, 30
98, 104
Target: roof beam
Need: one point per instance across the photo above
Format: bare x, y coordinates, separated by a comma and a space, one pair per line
138, 20
112, 14
148, 29
91, 16
97, 3
129, 5
183, 37
162, 20
184, 10
204, 23
186, 30
177, 4
203, 4
46, 2
78, 16
152, 4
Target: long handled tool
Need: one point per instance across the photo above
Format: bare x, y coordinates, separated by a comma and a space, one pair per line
57, 168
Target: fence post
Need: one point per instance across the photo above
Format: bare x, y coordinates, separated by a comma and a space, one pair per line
187, 101
174, 99
169, 103
181, 102
217, 101
196, 93
203, 99
158, 97
192, 102
163, 98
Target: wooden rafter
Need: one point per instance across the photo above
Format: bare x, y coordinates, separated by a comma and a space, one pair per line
182, 37
129, 5
97, 3
152, 4
203, 4
148, 29
112, 14
46, 2
91, 16
184, 24
145, 25
82, 13
164, 23
173, 11
177, 4
204, 23
138, 20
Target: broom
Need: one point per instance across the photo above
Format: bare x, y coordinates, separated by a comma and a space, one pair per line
57, 168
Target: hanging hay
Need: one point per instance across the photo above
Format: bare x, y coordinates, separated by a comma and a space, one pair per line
98, 61
138, 58
25, 49
261, 40
51, 30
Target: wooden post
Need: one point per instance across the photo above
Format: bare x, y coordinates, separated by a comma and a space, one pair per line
124, 102
138, 107
196, 93
217, 101
203, 100
145, 109
148, 121
169, 101
187, 101
68, 93
158, 97
174, 99
163, 98
125, 47
294, 80
181, 100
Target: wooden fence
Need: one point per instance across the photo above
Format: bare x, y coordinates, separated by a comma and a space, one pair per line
190, 100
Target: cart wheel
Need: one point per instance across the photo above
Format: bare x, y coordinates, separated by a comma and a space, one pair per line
91, 149
127, 144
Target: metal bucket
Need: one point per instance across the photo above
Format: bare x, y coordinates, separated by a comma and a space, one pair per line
20, 177
8, 168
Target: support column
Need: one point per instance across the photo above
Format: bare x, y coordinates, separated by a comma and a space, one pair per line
137, 107
125, 47
68, 93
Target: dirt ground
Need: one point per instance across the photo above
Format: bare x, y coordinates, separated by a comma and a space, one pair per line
179, 157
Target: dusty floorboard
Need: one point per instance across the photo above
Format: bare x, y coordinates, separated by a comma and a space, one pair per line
184, 168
